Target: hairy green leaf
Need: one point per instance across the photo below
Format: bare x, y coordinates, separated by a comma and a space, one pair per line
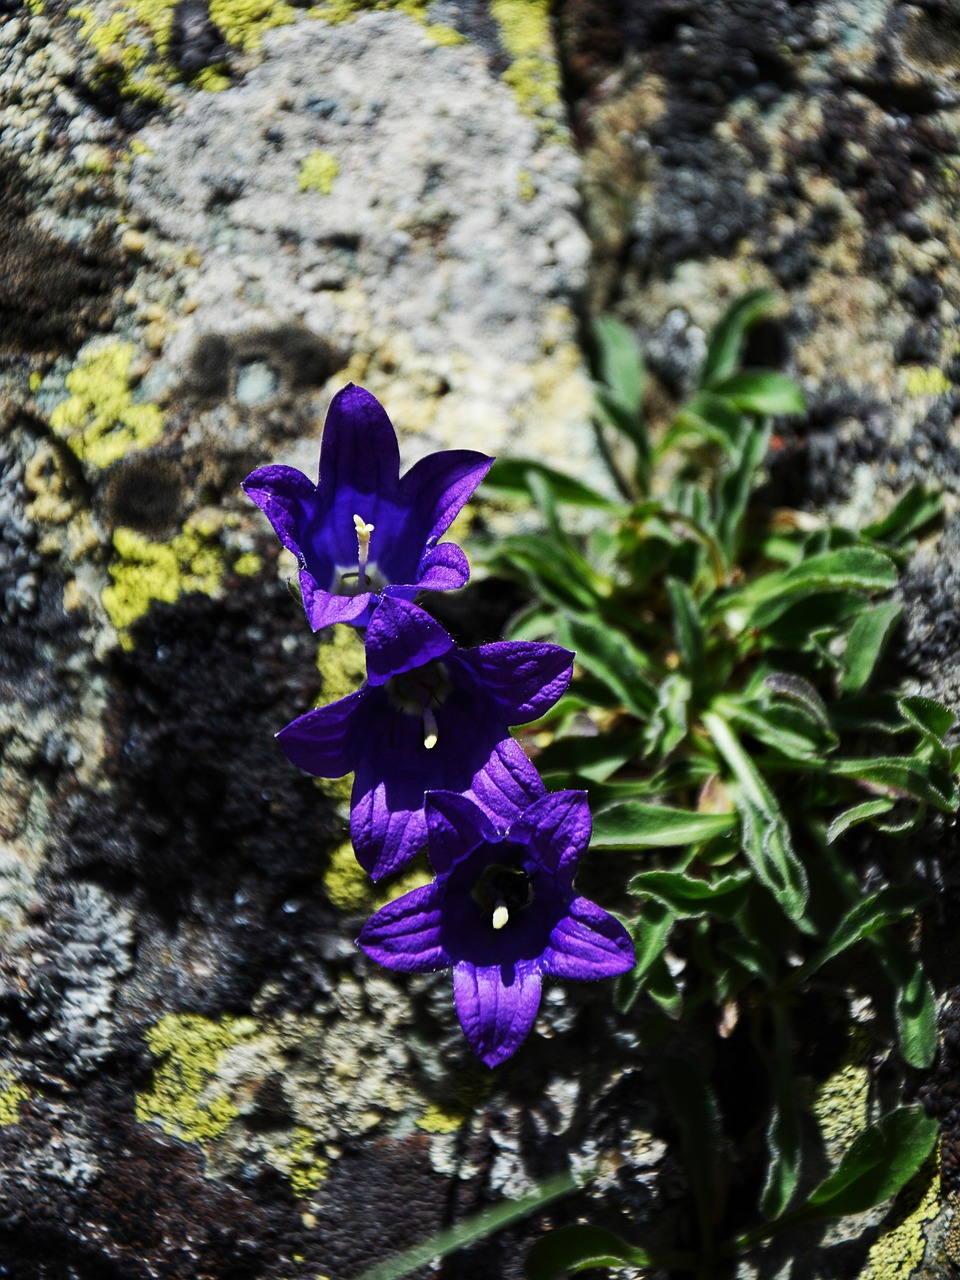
761, 392
633, 825
567, 1250
879, 1162
866, 642
726, 339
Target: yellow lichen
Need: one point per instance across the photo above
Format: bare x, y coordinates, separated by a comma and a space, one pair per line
244, 22
919, 381
35, 379
183, 1098
144, 571
341, 661
346, 883
124, 51
533, 74
317, 172
12, 1095
526, 188
344, 10
839, 1104
438, 1119
100, 420
305, 1169
248, 564
900, 1248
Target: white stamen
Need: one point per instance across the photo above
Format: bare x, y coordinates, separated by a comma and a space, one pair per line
500, 914
364, 531
430, 734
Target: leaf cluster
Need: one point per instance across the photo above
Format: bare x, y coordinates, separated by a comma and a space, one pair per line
731, 721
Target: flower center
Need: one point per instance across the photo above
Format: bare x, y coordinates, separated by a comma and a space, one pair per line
418, 693
366, 576
501, 892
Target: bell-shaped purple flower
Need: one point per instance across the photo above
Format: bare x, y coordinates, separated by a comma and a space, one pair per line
363, 531
430, 717
502, 912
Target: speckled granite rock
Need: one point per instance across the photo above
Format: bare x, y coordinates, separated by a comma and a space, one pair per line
212, 217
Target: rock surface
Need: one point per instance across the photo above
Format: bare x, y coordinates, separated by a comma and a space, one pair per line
212, 218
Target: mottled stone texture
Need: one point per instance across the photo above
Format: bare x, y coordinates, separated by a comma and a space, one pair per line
208, 225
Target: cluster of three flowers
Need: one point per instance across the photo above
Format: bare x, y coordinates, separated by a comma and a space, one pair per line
427, 736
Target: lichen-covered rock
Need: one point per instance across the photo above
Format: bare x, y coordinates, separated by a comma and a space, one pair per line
213, 215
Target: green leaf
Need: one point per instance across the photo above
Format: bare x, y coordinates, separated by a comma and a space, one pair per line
933, 720
866, 643
766, 835
667, 726
649, 932
880, 1161
783, 1135
916, 508
633, 825
787, 729
619, 361
690, 896
863, 920
849, 568
557, 574
901, 776
761, 392
613, 659
511, 477
687, 627
592, 758
707, 417
475, 1228
726, 339
854, 816
693, 1107
733, 493
567, 1250
799, 690
915, 1008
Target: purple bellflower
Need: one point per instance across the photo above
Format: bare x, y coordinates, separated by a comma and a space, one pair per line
364, 531
502, 912
431, 716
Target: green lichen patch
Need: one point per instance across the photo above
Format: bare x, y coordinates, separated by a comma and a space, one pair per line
533, 75
144, 571
12, 1095
341, 661
183, 1098
100, 420
317, 172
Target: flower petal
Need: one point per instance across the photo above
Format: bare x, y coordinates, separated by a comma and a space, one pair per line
288, 500
443, 568
400, 637
359, 447
506, 783
405, 934
497, 1005
556, 829
525, 677
436, 488
324, 609
323, 742
456, 826
588, 943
